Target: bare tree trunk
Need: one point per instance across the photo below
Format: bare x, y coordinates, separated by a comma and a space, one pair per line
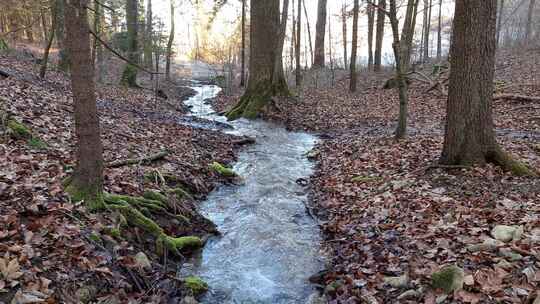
298, 46
264, 33
87, 180
129, 76
63, 56
439, 30
293, 36
469, 134
45, 60
354, 47
308, 32
169, 45
344, 24
528, 30
380, 35
278, 77
243, 50
427, 28
371, 22
148, 35
320, 32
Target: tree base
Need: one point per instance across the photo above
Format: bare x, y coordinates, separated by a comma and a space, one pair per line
255, 99
508, 163
129, 77
91, 195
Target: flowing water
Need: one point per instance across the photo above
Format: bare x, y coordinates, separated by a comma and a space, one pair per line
269, 244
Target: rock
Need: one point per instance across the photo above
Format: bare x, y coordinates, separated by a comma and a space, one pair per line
504, 264
448, 278
397, 282
142, 261
316, 298
510, 254
189, 300
506, 233
332, 288
86, 294
196, 285
409, 295
440, 299
488, 244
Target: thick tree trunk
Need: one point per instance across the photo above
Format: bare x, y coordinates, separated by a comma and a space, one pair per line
63, 56
264, 32
45, 60
86, 182
371, 22
380, 35
298, 47
439, 33
148, 33
243, 50
320, 32
344, 29
354, 47
129, 76
530, 13
169, 45
308, 32
469, 133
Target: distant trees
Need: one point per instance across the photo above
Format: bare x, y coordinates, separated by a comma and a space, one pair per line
129, 76
264, 36
320, 30
381, 14
86, 182
354, 48
170, 44
469, 134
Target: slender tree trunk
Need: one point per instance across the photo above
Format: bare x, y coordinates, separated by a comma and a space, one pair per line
380, 35
371, 21
278, 77
148, 33
169, 45
293, 37
500, 15
427, 28
63, 56
298, 47
320, 32
344, 25
354, 47
264, 33
129, 76
45, 60
439, 30
469, 133
87, 180
528, 30
97, 16
308, 32
243, 50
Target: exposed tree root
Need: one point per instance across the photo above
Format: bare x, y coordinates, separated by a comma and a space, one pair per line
508, 163
516, 97
255, 99
222, 170
140, 160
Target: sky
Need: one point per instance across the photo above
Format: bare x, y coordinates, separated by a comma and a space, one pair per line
224, 24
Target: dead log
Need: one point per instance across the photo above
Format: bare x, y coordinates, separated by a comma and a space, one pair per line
516, 97
4, 74
140, 160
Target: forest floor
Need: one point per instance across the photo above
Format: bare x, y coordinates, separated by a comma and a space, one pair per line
53, 250
391, 217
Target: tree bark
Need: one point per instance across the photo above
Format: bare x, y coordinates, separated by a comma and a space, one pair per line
427, 28
63, 56
439, 34
500, 15
469, 132
320, 32
354, 47
129, 76
45, 60
278, 77
148, 36
87, 180
169, 45
243, 50
264, 32
528, 30
298, 47
308, 32
371, 21
344, 29
380, 35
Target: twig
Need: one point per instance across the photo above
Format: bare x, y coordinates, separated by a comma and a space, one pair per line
134, 161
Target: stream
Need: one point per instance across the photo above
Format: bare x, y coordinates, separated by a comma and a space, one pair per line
269, 245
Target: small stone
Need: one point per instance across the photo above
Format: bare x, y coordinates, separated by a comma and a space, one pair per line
449, 278
504, 264
142, 261
189, 300
409, 295
506, 233
488, 244
510, 255
397, 282
196, 285
440, 299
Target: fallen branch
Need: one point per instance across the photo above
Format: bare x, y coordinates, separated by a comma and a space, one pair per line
516, 97
4, 74
140, 160
245, 141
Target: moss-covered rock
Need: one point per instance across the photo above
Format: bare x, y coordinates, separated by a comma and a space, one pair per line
196, 285
364, 179
506, 233
18, 130
448, 278
222, 170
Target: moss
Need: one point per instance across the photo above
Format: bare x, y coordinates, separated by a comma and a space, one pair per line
91, 195
129, 76
136, 201
36, 143
196, 285
256, 98
508, 163
222, 170
180, 193
185, 242
155, 196
3, 45
136, 218
364, 179
449, 278
18, 130
94, 237
114, 232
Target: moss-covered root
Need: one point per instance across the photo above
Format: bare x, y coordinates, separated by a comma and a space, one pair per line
509, 163
196, 285
91, 195
18, 130
154, 205
222, 170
